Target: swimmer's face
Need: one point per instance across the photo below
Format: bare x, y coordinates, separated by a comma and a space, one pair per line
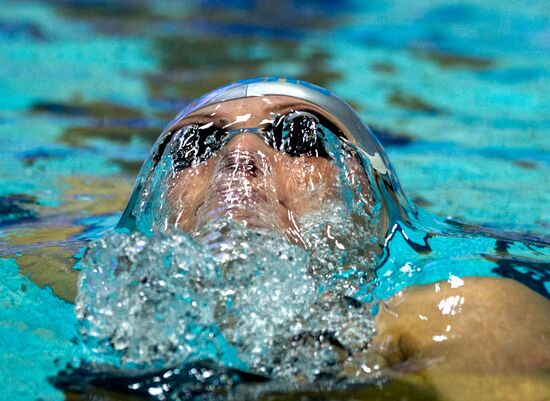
254, 176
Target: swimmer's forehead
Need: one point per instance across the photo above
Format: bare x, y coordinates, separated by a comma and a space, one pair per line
253, 110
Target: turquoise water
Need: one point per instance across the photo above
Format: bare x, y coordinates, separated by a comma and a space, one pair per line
456, 92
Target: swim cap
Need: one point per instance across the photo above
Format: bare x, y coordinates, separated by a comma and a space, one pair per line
342, 116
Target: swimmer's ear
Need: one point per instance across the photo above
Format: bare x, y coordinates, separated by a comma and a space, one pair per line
382, 221
159, 151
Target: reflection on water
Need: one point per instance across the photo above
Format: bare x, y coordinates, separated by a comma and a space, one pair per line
243, 297
456, 92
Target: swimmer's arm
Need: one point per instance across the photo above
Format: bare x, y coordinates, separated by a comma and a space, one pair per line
488, 335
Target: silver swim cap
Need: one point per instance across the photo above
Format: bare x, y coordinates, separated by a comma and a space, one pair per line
342, 116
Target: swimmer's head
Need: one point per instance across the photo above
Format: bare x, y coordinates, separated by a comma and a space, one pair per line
269, 154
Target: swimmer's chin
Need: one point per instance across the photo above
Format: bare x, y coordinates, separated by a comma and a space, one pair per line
244, 216
228, 220
239, 217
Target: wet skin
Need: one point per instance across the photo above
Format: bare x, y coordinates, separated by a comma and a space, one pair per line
448, 332
248, 179
481, 339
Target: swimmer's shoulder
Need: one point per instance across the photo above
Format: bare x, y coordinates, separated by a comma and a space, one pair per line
482, 324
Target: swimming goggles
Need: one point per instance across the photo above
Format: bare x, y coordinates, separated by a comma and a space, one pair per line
298, 133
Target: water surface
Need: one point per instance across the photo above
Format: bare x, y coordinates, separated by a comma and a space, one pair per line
456, 92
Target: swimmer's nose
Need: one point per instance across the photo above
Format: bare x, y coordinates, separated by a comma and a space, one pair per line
248, 142
245, 154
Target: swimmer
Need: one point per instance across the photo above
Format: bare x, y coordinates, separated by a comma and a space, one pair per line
270, 153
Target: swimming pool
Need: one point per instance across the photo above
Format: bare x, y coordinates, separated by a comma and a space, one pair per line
455, 92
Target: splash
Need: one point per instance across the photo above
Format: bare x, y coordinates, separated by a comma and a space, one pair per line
241, 297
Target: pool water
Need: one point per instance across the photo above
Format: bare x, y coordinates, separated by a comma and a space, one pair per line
457, 93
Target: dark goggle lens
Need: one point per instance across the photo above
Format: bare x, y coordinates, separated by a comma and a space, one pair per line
298, 134
192, 145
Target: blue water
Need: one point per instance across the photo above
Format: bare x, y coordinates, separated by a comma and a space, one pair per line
457, 92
